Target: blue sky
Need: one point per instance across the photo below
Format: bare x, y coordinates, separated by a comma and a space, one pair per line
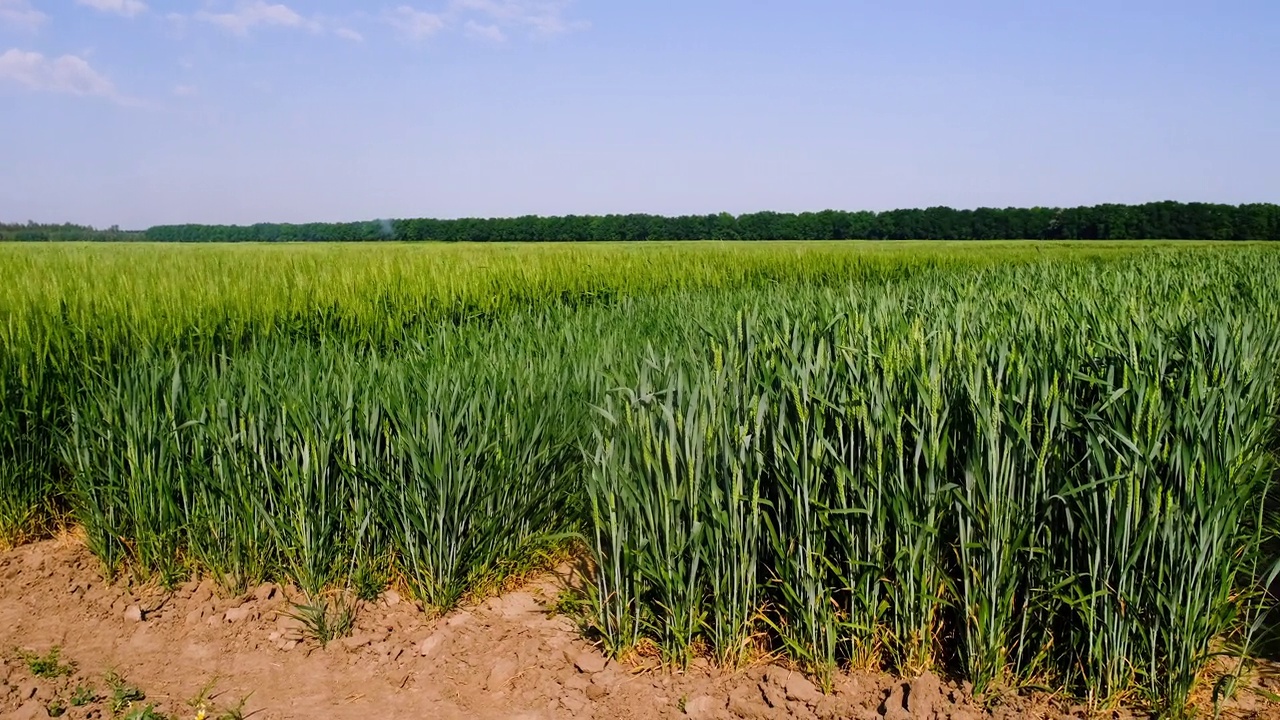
140, 112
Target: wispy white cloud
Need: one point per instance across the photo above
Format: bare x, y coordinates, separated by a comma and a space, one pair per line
490, 20
415, 23
69, 75
127, 8
184, 90
484, 32
21, 14
348, 34
177, 23
542, 17
250, 15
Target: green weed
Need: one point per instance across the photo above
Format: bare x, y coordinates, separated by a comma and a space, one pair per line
48, 666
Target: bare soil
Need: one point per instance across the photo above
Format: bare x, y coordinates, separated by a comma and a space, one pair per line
509, 657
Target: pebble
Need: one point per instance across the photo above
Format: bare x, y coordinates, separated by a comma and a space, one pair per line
574, 702
461, 618
239, 614
428, 646
702, 706
29, 711
925, 691
801, 690
355, 642
590, 662
577, 682
894, 707
203, 593
501, 674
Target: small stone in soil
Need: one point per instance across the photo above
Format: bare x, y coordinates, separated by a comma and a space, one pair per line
774, 695
590, 662
924, 693
577, 682
428, 646
235, 615
895, 705
827, 708
574, 702
460, 619
501, 674
203, 593
702, 706
801, 690
30, 711
748, 702
355, 642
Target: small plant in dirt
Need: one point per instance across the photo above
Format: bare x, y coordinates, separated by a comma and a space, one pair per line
147, 712
56, 707
573, 605
83, 695
368, 582
204, 699
326, 619
49, 665
206, 709
123, 695
234, 713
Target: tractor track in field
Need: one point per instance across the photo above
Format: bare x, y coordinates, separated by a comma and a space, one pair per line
509, 657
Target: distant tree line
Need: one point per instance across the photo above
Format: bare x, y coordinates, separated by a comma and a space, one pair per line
36, 232
1161, 220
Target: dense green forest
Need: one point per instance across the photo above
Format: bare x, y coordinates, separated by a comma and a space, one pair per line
35, 232
1162, 220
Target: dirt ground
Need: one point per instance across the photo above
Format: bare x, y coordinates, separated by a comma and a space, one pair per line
508, 658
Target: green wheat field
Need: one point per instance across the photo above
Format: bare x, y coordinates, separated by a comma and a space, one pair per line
1020, 464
